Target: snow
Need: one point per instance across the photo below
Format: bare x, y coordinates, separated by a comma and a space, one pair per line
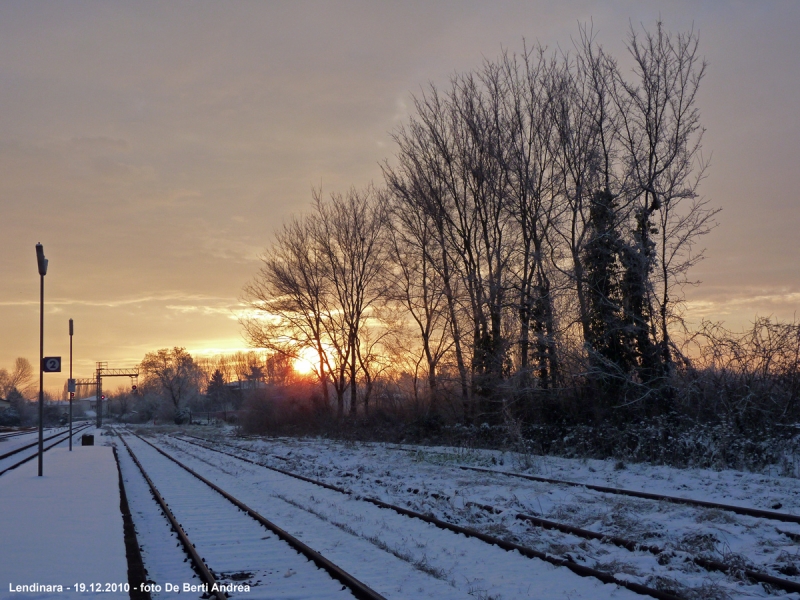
64, 527
415, 477
230, 542
9, 444
163, 558
397, 556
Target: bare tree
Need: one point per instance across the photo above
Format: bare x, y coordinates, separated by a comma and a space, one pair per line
289, 300
530, 161
351, 236
424, 157
586, 150
544, 201
415, 281
173, 374
317, 286
663, 136
20, 378
484, 231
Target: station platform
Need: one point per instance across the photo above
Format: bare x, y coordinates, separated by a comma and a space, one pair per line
64, 528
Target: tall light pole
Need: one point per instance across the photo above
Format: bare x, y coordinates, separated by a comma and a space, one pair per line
70, 385
42, 262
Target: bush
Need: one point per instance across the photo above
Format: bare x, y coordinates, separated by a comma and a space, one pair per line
285, 409
181, 416
9, 418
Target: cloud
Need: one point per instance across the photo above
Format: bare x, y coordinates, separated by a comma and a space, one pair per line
154, 148
98, 144
782, 303
119, 302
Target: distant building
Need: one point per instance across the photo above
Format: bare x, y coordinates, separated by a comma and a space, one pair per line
85, 404
4, 405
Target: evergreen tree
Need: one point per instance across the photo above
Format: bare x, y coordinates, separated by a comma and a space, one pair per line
638, 259
608, 339
217, 390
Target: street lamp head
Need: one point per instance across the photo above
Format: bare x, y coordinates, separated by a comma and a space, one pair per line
41, 259
71, 329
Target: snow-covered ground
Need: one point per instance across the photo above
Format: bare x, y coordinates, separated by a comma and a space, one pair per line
397, 556
428, 480
64, 528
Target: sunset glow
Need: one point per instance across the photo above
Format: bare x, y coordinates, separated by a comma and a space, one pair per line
307, 362
425, 251
183, 169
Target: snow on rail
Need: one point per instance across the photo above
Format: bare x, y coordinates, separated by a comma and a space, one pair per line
466, 565
230, 542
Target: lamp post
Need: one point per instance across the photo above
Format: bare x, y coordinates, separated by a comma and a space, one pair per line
70, 385
42, 262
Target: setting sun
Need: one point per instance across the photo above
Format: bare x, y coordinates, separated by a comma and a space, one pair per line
307, 362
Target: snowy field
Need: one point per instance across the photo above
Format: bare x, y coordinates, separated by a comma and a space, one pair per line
432, 563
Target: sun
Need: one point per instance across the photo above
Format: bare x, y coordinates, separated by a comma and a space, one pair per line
307, 362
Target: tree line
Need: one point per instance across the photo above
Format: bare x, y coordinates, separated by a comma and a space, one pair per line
530, 239
174, 385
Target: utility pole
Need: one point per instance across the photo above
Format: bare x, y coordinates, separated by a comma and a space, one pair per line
42, 263
99, 397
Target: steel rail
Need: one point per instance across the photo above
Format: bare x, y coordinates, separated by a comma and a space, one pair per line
576, 568
9, 434
360, 590
137, 574
687, 501
742, 510
35, 454
708, 564
199, 566
18, 450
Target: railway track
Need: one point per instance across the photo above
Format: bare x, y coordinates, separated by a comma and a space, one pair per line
530, 553
281, 555
31, 445
628, 544
9, 434
64, 436
742, 510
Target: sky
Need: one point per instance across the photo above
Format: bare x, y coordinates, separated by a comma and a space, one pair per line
154, 148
